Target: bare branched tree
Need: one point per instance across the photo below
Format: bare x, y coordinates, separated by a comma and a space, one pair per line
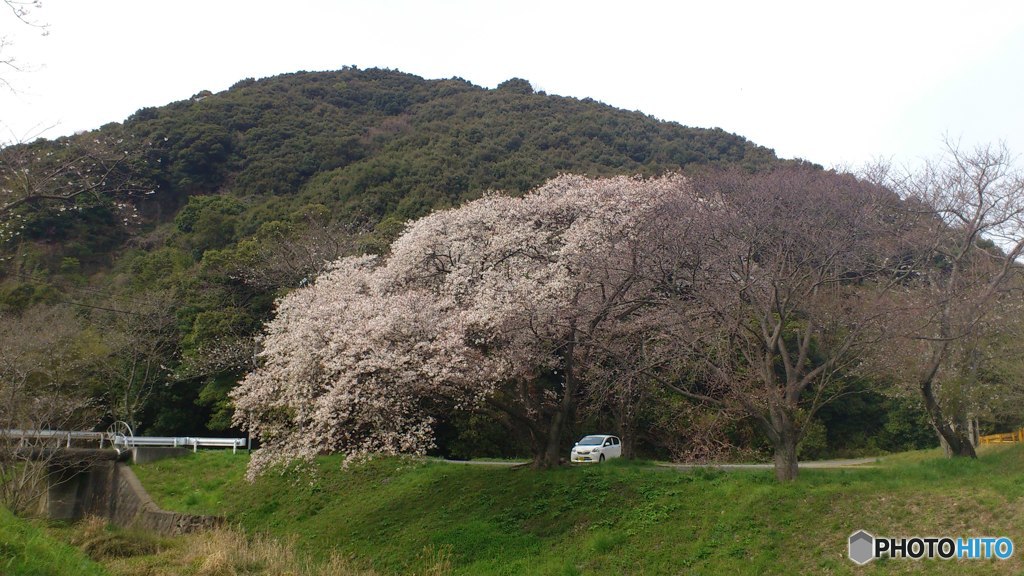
41, 352
965, 253
23, 12
141, 342
286, 255
794, 270
48, 177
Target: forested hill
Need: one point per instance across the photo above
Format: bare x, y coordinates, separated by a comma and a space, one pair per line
373, 143
162, 241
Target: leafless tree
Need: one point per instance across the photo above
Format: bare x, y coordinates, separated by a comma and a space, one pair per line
41, 352
635, 352
141, 341
22, 11
965, 253
789, 293
286, 255
58, 176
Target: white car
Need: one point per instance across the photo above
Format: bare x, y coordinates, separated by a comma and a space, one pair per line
596, 448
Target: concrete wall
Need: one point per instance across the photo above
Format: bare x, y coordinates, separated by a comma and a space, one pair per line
75, 490
111, 490
134, 507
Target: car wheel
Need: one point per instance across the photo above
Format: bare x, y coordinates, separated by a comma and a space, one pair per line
601, 459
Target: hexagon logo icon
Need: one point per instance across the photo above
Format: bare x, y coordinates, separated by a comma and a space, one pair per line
862, 547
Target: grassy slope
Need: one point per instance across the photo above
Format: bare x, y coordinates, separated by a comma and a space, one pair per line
613, 519
26, 549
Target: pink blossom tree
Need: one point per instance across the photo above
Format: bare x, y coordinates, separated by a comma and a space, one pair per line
348, 367
507, 303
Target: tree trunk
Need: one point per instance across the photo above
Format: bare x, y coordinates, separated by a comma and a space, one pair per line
547, 434
627, 431
786, 468
779, 427
628, 440
564, 411
955, 441
961, 447
549, 456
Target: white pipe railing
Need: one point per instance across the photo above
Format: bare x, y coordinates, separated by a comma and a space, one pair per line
127, 441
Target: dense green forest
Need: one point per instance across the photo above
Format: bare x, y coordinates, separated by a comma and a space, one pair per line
161, 243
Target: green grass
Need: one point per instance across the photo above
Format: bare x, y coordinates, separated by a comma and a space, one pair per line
28, 549
196, 483
618, 518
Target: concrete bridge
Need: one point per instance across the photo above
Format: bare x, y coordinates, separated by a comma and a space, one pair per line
84, 482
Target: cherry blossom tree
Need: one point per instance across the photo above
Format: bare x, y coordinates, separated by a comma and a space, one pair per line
753, 294
507, 303
349, 367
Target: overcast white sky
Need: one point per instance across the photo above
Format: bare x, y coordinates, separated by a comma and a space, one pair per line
834, 82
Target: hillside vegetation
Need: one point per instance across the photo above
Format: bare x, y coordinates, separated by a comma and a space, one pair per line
619, 518
160, 244
169, 235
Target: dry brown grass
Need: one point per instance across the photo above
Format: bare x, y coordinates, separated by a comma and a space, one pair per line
229, 552
101, 542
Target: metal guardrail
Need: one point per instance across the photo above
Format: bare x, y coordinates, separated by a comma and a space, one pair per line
182, 442
127, 441
65, 435
1005, 438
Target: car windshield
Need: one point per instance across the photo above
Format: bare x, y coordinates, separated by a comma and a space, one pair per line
592, 440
